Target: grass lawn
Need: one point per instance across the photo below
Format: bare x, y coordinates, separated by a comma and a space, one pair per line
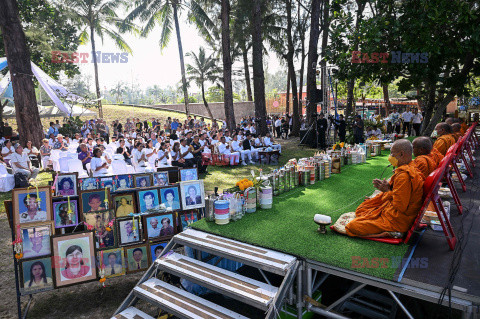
289, 225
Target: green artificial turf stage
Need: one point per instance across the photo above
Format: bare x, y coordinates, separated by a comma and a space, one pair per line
289, 226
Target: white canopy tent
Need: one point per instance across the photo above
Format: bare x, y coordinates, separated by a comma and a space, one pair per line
57, 93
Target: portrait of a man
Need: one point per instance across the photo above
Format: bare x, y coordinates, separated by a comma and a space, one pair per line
137, 258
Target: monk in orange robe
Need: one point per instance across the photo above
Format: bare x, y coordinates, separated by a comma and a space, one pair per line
444, 138
456, 131
395, 209
464, 126
422, 147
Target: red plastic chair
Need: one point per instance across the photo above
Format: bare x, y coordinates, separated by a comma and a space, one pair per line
207, 159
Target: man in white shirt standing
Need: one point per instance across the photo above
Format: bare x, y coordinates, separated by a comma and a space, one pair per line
278, 127
407, 119
417, 122
20, 163
268, 142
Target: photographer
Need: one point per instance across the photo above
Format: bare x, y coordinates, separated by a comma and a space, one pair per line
322, 126
341, 127
358, 127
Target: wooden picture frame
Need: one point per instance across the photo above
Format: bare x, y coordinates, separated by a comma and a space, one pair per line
160, 179
186, 218
162, 231
61, 217
119, 266
174, 202
88, 183
173, 173
97, 203
59, 184
188, 174
102, 221
127, 234
36, 239
193, 189
79, 248
130, 252
108, 182
27, 285
123, 207
147, 198
154, 249
139, 179
23, 212
124, 182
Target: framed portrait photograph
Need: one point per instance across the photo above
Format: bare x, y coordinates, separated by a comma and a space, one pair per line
142, 180
123, 182
185, 219
114, 262
62, 215
66, 184
130, 231
36, 275
160, 179
36, 239
30, 205
124, 204
148, 199
94, 201
105, 235
193, 194
108, 182
74, 258
170, 196
159, 226
137, 258
156, 249
188, 174
172, 173
89, 183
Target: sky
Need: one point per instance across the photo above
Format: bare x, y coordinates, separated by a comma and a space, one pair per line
147, 65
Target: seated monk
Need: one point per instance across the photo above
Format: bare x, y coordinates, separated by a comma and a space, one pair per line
456, 131
444, 138
422, 147
395, 209
464, 126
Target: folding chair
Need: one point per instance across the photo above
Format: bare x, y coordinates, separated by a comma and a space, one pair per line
207, 159
453, 152
448, 178
75, 165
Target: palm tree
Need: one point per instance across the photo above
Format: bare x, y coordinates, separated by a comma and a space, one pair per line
118, 90
203, 69
98, 17
166, 12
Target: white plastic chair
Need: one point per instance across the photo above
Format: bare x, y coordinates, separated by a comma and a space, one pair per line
7, 181
75, 165
120, 167
63, 164
63, 154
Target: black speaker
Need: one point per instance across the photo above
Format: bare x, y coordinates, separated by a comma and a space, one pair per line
317, 96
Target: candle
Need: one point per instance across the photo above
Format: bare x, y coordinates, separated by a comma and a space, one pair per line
69, 208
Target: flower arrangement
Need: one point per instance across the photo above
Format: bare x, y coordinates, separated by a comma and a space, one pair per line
244, 184
338, 145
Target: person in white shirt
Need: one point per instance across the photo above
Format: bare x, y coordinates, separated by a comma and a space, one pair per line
204, 142
51, 140
417, 122
98, 165
407, 119
139, 158
258, 142
186, 154
252, 129
268, 142
163, 154
7, 150
224, 149
278, 127
20, 163
237, 147
150, 153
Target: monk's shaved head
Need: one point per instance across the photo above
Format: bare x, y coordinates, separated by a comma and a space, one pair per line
449, 120
422, 146
456, 127
403, 145
443, 128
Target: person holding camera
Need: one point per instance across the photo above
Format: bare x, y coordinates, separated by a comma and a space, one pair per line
341, 127
322, 126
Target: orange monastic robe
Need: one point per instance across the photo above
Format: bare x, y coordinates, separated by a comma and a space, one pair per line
392, 211
464, 128
437, 157
443, 143
456, 136
425, 164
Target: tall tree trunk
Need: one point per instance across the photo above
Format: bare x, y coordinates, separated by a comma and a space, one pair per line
258, 74
247, 73
386, 98
205, 103
95, 67
351, 82
302, 60
18, 59
227, 66
323, 63
312, 57
2, 107
287, 99
180, 53
429, 102
291, 71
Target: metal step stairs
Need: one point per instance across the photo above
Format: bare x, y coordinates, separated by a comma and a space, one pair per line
182, 304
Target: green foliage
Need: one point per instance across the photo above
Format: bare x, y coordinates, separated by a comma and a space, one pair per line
71, 127
191, 99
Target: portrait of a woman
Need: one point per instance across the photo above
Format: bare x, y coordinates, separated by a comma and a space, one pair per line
38, 277
66, 187
74, 266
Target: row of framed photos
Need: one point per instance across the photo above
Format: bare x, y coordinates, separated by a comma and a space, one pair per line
68, 184
32, 205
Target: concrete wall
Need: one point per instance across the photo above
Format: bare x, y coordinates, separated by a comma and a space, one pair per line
242, 109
